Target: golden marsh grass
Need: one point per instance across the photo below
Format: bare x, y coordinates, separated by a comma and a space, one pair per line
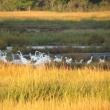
48, 15
52, 88
87, 104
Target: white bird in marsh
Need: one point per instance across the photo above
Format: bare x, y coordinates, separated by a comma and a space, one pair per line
57, 59
35, 56
3, 57
79, 62
90, 60
42, 60
45, 58
15, 61
22, 59
68, 60
102, 60
1, 53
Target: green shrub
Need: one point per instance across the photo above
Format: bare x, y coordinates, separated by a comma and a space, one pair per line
2, 44
96, 40
13, 41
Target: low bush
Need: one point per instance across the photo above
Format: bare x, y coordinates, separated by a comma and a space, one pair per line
96, 40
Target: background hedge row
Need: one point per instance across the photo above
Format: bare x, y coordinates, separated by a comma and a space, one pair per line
55, 5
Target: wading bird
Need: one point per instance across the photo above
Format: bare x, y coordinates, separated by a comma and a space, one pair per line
68, 60
22, 59
35, 56
90, 60
79, 62
3, 57
14, 60
102, 60
58, 59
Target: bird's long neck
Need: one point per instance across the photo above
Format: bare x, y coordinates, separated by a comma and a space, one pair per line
36, 53
91, 58
20, 54
81, 60
30, 54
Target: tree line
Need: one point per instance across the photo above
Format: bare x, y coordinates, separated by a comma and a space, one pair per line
54, 5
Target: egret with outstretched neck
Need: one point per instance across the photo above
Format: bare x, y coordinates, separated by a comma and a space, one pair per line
22, 59
90, 60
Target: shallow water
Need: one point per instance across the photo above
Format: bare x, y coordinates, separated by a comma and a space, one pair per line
56, 46
73, 55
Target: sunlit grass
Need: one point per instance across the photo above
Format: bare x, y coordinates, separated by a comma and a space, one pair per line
47, 15
87, 104
52, 88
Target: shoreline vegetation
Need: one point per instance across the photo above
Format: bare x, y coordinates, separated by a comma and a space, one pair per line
31, 28
55, 5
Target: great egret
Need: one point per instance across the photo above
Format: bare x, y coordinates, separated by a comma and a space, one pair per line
68, 60
22, 59
102, 60
57, 59
90, 60
3, 57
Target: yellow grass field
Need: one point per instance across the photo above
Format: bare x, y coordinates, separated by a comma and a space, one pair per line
87, 104
48, 15
60, 88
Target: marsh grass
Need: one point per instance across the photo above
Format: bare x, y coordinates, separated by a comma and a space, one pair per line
47, 15
23, 87
54, 87
56, 32
76, 33
87, 104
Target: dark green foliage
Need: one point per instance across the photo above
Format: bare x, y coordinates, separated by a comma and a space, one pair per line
95, 1
2, 44
63, 1
58, 5
96, 40
91, 33
24, 4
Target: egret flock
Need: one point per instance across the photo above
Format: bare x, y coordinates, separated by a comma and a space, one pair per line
40, 58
